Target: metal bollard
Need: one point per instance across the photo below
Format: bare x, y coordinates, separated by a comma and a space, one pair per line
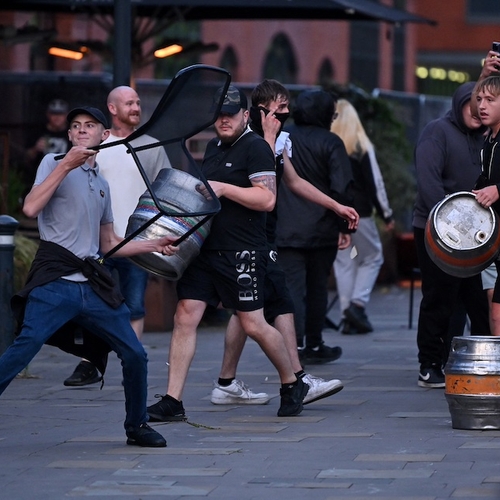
8, 226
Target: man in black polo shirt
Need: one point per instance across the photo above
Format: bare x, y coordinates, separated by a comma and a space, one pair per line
231, 267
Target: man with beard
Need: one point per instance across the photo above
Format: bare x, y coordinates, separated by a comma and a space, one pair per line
231, 267
126, 186
269, 112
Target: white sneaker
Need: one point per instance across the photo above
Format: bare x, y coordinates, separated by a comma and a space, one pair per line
237, 393
320, 388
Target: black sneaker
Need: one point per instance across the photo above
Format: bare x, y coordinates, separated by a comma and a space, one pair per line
357, 317
85, 373
168, 409
292, 399
348, 328
145, 436
321, 354
431, 377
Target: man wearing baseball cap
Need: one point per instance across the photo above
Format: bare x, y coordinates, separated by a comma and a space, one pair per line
240, 167
67, 284
51, 138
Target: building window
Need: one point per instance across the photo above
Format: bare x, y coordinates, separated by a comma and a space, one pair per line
398, 58
482, 11
280, 62
229, 62
364, 63
326, 74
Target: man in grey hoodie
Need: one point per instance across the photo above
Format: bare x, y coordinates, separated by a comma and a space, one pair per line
447, 160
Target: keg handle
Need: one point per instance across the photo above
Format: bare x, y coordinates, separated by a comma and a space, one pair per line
459, 345
132, 236
161, 212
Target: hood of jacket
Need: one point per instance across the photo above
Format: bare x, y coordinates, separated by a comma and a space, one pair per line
461, 96
314, 107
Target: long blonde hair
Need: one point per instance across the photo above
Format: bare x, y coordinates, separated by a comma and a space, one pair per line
349, 128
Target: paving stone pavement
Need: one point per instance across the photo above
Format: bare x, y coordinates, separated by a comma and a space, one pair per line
381, 437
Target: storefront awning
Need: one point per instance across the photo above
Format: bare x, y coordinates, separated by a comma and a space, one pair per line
350, 10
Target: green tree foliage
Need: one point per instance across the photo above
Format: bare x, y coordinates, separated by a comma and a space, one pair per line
24, 253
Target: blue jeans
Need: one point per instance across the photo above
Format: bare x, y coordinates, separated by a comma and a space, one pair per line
54, 304
133, 281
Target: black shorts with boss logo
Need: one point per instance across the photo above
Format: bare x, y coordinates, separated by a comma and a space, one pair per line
236, 278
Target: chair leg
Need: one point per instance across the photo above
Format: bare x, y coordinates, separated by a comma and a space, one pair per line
414, 273
328, 322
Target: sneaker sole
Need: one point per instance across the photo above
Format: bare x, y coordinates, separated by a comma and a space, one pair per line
429, 385
84, 382
239, 401
292, 413
133, 442
362, 328
331, 392
154, 417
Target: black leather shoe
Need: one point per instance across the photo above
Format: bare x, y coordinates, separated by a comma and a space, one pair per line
145, 436
85, 373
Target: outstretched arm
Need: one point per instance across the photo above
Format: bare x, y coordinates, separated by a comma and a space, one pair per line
109, 239
491, 67
306, 190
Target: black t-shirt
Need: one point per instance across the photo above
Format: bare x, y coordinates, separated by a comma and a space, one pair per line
236, 227
54, 142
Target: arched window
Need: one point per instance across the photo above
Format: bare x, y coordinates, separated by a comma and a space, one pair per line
280, 62
229, 62
326, 73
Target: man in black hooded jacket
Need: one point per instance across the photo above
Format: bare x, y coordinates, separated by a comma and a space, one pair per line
308, 235
447, 160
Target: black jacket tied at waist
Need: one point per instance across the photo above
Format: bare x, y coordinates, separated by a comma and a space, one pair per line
51, 262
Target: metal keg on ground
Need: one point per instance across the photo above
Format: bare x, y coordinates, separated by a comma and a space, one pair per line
178, 193
472, 376
462, 237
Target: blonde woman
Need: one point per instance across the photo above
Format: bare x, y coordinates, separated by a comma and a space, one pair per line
357, 267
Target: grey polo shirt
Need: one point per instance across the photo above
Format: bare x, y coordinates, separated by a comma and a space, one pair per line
73, 216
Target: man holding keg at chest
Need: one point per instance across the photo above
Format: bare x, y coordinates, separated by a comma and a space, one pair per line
487, 101
231, 267
447, 160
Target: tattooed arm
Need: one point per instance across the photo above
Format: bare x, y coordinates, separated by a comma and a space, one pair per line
261, 196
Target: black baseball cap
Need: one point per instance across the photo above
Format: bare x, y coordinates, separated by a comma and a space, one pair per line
88, 110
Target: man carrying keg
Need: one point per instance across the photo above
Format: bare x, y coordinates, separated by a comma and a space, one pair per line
231, 267
126, 185
447, 160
